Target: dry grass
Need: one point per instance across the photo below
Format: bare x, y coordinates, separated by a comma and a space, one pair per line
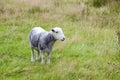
118, 40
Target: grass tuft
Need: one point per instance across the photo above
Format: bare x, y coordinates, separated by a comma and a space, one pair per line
37, 9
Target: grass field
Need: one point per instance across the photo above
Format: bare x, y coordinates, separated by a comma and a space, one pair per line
91, 48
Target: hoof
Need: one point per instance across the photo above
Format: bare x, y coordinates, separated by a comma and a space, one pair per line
42, 62
32, 60
48, 63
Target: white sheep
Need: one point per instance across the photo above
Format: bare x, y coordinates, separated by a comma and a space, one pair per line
43, 41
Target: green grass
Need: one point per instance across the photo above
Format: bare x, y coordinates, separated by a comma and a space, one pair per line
90, 51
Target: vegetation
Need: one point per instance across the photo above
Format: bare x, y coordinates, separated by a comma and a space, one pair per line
90, 52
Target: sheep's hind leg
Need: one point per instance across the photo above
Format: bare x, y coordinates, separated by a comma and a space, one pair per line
43, 57
48, 58
38, 55
32, 55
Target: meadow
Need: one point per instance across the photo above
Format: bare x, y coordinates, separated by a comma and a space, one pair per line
90, 52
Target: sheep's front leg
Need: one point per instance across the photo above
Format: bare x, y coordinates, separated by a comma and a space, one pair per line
32, 55
48, 58
42, 57
38, 55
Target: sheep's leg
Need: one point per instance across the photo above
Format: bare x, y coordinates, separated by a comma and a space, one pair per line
38, 55
32, 55
48, 58
43, 57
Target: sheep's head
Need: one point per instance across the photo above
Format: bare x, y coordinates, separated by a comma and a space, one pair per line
58, 33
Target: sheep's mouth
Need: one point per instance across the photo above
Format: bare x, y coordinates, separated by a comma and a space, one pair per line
63, 39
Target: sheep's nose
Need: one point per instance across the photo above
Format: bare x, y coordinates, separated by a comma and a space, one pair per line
63, 39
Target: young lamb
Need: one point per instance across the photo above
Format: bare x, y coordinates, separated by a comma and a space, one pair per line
43, 41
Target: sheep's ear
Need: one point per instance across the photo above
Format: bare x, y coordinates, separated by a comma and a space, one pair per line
52, 30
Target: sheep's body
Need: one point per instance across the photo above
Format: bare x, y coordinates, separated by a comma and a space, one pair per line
42, 41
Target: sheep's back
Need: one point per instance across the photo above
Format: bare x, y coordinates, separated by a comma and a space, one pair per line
34, 36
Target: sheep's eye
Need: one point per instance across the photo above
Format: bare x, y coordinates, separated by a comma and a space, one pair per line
56, 31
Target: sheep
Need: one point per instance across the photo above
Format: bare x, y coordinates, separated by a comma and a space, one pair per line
43, 41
